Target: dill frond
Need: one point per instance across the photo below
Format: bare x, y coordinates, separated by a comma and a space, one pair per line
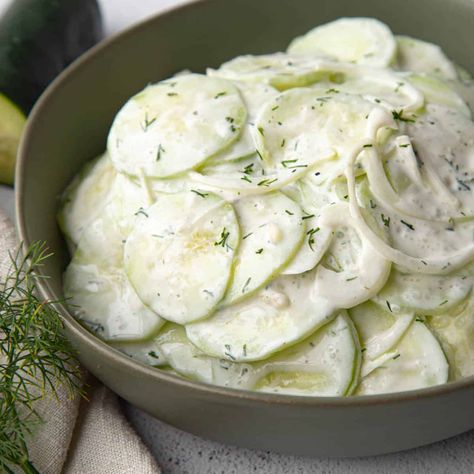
35, 356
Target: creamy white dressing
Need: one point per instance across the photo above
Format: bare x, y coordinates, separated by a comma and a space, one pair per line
252, 206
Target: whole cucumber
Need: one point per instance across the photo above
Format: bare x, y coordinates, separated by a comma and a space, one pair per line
38, 39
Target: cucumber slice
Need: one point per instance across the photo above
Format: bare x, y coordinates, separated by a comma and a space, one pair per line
352, 270
300, 126
419, 363
281, 314
12, 122
426, 294
279, 70
255, 95
436, 91
106, 304
455, 331
85, 198
150, 351
312, 199
380, 332
272, 232
147, 352
251, 177
188, 361
354, 40
100, 295
326, 364
383, 88
179, 255
420, 56
175, 125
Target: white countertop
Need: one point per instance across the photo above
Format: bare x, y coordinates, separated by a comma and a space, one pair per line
180, 453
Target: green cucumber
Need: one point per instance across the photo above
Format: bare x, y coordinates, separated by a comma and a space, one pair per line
38, 39
12, 122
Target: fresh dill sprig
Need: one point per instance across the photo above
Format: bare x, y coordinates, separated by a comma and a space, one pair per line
36, 358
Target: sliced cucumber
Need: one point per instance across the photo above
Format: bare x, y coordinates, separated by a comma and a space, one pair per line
426, 294
436, 91
380, 332
179, 255
281, 314
237, 180
175, 125
420, 56
12, 122
255, 95
279, 70
99, 294
106, 304
455, 330
300, 126
325, 364
148, 352
312, 199
352, 270
272, 231
187, 360
419, 363
84, 199
354, 40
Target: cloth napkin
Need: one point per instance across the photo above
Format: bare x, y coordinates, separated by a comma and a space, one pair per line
79, 436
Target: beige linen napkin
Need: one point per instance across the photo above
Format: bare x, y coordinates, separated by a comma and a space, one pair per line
79, 436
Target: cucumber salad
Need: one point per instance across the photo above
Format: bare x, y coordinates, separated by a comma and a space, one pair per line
297, 223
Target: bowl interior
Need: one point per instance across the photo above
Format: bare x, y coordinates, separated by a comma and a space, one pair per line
70, 123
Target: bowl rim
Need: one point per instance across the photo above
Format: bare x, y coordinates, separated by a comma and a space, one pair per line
130, 365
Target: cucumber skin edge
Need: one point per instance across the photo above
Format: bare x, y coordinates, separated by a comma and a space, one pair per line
38, 39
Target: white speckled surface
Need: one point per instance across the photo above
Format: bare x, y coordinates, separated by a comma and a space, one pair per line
182, 453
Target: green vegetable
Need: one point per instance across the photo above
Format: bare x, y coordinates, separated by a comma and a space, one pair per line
35, 357
12, 122
38, 39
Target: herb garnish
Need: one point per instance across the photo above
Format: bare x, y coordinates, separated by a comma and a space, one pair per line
203, 195
310, 235
141, 211
267, 182
398, 115
410, 226
220, 94
36, 356
385, 220
159, 152
247, 283
147, 122
224, 236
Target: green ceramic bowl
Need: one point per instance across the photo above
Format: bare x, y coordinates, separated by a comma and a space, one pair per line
69, 126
